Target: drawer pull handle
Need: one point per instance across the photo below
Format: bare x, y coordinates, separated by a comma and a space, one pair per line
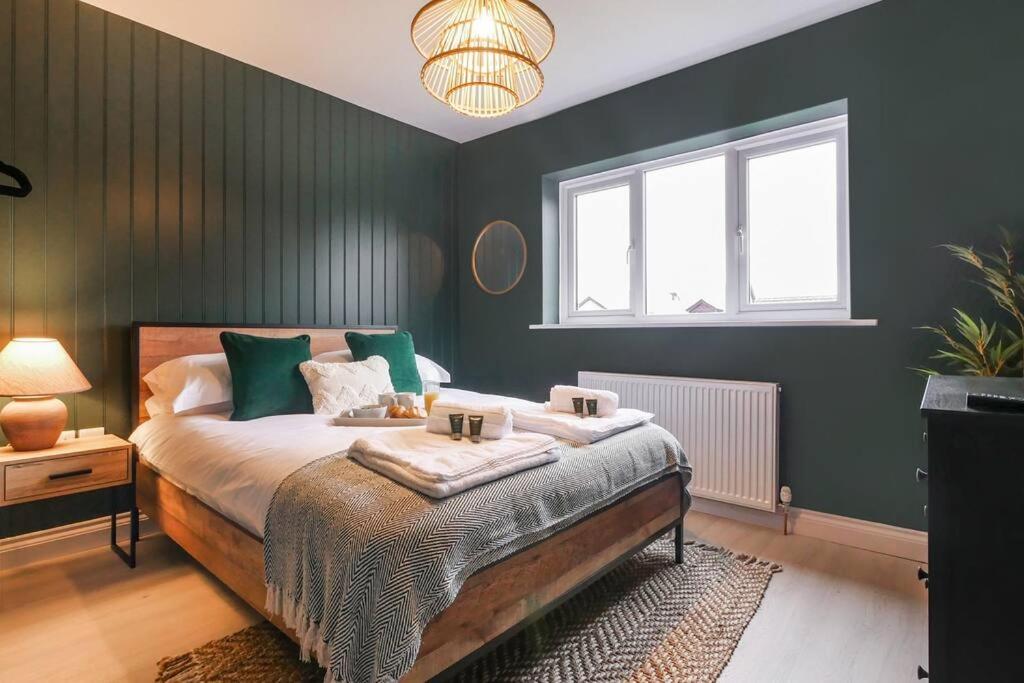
72, 473
920, 475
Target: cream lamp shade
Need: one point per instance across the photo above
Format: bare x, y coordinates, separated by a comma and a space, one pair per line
35, 366
33, 370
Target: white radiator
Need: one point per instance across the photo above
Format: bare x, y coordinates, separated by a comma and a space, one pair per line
729, 430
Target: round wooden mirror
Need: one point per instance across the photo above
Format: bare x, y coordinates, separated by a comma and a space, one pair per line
499, 257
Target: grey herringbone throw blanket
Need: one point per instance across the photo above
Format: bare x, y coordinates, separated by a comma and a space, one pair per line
358, 564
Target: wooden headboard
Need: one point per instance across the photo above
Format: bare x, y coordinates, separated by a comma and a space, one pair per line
155, 343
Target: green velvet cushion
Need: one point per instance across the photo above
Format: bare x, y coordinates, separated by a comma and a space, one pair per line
397, 350
265, 377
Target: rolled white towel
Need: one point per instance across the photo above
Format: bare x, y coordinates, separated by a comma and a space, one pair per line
543, 420
497, 418
562, 396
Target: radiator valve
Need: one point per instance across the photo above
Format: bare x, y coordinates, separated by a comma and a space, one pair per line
785, 497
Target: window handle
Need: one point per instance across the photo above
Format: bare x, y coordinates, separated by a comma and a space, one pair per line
629, 253
740, 239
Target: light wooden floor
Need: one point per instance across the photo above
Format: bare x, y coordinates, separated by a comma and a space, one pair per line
834, 613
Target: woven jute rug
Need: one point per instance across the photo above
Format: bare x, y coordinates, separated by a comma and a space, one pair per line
648, 620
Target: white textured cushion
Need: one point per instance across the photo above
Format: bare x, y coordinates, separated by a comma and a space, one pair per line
191, 383
428, 369
337, 387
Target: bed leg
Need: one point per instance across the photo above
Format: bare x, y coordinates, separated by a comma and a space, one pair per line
679, 543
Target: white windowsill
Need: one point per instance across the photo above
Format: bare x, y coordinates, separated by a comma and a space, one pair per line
710, 323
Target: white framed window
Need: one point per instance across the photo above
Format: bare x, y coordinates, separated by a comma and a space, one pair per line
752, 230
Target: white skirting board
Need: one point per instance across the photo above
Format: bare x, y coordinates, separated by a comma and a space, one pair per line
19, 551
880, 538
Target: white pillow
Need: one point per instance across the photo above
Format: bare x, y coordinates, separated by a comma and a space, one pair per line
334, 357
431, 371
337, 387
428, 369
155, 406
190, 383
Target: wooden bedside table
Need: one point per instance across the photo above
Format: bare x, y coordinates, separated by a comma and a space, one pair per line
100, 462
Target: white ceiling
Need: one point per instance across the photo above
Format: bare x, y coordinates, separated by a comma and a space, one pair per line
360, 50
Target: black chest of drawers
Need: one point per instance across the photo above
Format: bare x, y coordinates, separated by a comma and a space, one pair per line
975, 479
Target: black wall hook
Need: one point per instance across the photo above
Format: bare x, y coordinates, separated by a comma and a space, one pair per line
23, 187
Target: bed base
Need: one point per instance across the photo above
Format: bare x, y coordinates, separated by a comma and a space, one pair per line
493, 604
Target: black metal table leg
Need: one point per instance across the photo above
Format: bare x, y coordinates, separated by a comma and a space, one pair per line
133, 527
679, 543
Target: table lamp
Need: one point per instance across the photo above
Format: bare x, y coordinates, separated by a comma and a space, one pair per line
32, 371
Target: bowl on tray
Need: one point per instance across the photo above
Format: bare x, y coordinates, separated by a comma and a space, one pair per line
373, 411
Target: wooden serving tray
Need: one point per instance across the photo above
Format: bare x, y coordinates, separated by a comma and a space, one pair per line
345, 421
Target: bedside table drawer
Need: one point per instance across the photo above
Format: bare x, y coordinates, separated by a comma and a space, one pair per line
64, 475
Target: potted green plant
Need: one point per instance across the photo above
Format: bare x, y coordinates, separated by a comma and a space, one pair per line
973, 346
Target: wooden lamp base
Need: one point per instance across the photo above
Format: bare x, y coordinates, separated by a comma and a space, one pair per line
33, 423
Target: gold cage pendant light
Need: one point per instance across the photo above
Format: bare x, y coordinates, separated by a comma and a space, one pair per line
483, 56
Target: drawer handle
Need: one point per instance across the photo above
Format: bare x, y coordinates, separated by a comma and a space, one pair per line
920, 475
72, 473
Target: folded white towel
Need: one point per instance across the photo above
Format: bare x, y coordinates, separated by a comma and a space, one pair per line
439, 467
581, 430
562, 396
497, 418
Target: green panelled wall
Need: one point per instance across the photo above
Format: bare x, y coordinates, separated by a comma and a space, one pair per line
936, 141
175, 184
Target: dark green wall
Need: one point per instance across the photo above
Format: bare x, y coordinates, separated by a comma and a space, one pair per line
175, 184
936, 145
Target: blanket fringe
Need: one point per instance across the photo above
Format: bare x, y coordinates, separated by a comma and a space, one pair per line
306, 630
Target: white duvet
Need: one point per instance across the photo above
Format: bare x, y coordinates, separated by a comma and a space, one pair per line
235, 467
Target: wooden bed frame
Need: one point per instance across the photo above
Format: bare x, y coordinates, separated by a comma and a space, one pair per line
493, 604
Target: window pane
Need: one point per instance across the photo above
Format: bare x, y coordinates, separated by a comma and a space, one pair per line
602, 241
685, 238
791, 216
